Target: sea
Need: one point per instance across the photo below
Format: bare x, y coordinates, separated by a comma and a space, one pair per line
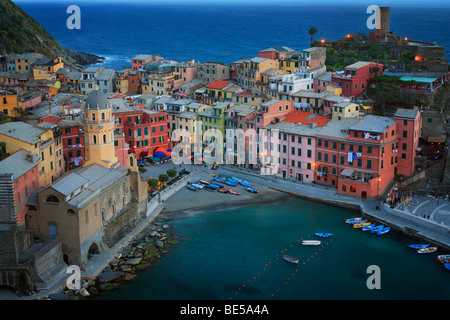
220, 31
236, 254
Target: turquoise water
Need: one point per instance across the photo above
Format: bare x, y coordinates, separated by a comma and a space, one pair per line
237, 254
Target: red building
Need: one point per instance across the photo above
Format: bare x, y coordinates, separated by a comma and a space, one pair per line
358, 157
408, 128
275, 53
144, 130
73, 143
355, 78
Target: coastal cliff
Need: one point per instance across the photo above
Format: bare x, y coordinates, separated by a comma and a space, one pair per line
20, 33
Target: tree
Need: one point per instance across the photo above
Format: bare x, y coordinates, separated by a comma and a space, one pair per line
171, 173
384, 93
163, 178
153, 183
312, 31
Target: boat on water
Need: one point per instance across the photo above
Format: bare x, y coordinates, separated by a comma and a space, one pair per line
368, 227
375, 229
352, 220
310, 242
427, 250
191, 187
419, 246
447, 266
234, 192
223, 190
290, 259
250, 189
383, 231
360, 225
358, 221
323, 235
443, 256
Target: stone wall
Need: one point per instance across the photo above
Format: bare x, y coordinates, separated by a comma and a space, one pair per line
48, 262
8, 252
117, 228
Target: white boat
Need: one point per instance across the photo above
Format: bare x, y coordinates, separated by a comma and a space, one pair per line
352, 220
427, 250
310, 242
198, 185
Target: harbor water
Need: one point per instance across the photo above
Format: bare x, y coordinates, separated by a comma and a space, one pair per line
238, 254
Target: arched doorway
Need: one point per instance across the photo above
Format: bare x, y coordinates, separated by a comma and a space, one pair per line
93, 249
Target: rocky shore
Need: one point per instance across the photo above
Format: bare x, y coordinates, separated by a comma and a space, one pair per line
141, 253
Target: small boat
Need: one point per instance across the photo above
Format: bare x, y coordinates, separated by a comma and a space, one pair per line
208, 188
447, 266
290, 259
443, 256
368, 227
375, 229
360, 225
383, 231
443, 260
352, 220
323, 235
230, 183
236, 179
191, 187
418, 246
358, 221
427, 250
204, 182
310, 242
223, 190
198, 186
249, 189
216, 185
234, 192
218, 179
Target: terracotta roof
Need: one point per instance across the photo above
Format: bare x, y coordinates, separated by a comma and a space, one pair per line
218, 84
306, 118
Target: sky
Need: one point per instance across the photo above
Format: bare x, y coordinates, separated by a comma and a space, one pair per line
392, 3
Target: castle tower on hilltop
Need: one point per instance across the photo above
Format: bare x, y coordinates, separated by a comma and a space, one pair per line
383, 34
98, 126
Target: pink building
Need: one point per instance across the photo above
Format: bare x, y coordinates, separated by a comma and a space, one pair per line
275, 53
30, 100
19, 174
271, 112
408, 130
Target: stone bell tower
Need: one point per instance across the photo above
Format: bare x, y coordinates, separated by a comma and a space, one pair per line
98, 126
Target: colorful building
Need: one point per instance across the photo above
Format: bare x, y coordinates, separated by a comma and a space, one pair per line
355, 78
409, 123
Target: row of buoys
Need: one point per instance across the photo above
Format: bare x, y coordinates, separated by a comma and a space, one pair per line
297, 269
267, 265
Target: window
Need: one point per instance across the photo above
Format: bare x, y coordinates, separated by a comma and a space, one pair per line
369, 164
104, 138
70, 212
52, 199
405, 134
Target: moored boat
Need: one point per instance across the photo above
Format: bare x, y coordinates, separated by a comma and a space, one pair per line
360, 225
191, 187
290, 259
215, 185
219, 179
419, 246
234, 192
253, 190
198, 186
236, 179
368, 227
310, 242
208, 188
204, 182
352, 220
223, 190
375, 229
443, 256
447, 266
427, 250
383, 231
230, 183
323, 235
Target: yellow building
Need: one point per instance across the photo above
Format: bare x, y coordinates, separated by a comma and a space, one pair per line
41, 141
40, 73
186, 120
345, 109
8, 101
98, 126
250, 73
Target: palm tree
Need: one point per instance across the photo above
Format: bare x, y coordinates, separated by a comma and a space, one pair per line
312, 31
